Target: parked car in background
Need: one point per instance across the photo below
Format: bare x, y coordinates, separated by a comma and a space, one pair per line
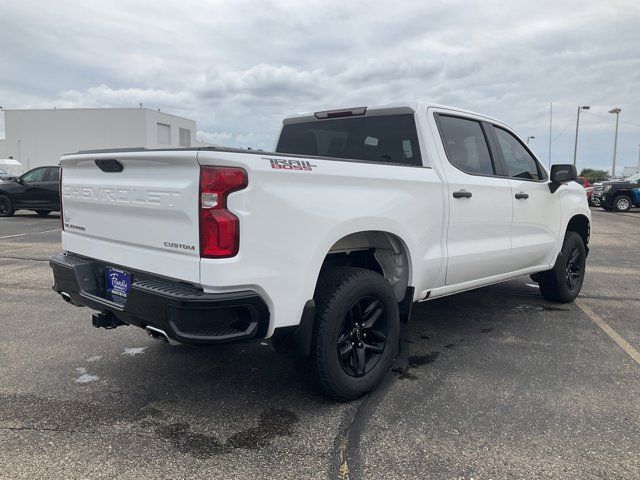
5, 175
36, 190
584, 181
621, 195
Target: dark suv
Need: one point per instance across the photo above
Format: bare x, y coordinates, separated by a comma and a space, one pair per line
622, 195
36, 190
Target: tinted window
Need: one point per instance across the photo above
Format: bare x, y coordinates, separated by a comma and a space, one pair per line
466, 145
519, 162
384, 138
53, 174
36, 175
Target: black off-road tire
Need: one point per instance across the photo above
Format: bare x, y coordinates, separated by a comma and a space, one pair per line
6, 207
563, 282
43, 213
622, 203
341, 293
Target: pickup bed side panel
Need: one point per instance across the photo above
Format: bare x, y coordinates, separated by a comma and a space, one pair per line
289, 219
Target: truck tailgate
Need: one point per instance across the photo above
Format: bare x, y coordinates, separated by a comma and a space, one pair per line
135, 209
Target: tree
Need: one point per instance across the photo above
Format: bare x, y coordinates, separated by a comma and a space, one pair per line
594, 175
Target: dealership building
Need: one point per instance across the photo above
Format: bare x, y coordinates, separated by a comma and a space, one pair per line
39, 137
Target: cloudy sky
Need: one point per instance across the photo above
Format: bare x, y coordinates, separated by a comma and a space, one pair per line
237, 67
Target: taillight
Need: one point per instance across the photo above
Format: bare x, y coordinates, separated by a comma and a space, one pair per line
60, 196
219, 228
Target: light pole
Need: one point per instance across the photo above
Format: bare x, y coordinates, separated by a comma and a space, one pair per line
575, 145
529, 138
615, 111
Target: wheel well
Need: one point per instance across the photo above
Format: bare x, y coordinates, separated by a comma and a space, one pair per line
580, 225
379, 251
626, 193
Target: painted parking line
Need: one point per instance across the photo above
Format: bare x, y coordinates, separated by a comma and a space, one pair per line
622, 343
30, 233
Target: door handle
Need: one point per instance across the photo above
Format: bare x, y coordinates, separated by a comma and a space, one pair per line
522, 196
461, 194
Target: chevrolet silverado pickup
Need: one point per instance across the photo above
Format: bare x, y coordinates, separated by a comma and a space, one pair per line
620, 195
323, 245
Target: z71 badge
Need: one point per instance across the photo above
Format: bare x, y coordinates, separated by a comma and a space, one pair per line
282, 164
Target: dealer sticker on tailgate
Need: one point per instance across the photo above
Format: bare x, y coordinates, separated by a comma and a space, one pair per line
118, 282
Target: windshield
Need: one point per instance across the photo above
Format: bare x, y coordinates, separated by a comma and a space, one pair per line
382, 138
633, 178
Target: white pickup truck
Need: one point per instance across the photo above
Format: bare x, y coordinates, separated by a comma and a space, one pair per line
323, 245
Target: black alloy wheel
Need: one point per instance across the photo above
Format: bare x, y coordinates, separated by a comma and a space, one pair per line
563, 282
355, 333
575, 265
363, 336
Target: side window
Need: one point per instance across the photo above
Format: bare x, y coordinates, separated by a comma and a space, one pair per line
519, 162
53, 174
466, 145
33, 176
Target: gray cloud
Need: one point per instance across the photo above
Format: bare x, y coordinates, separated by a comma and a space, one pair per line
239, 67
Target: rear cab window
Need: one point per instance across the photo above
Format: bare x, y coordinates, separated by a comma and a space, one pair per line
466, 145
53, 174
377, 138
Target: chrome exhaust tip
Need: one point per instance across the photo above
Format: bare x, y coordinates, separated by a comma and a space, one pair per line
159, 334
66, 297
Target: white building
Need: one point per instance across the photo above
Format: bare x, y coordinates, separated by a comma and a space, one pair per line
628, 171
40, 137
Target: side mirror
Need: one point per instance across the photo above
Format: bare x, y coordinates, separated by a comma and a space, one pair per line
562, 174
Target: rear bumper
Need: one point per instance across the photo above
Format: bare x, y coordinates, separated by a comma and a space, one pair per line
184, 312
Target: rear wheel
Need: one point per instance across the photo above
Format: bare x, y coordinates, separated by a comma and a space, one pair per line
622, 203
43, 213
355, 333
6, 207
563, 282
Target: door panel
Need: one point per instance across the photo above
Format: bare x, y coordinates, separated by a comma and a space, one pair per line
536, 211
31, 191
478, 237
50, 188
536, 224
478, 240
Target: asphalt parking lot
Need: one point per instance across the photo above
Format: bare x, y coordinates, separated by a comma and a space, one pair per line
496, 383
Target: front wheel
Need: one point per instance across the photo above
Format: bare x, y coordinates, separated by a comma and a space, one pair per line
6, 207
563, 282
356, 332
595, 201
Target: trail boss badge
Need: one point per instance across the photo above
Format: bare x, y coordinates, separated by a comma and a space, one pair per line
282, 164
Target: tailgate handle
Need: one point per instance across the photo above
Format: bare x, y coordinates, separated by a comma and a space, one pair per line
110, 165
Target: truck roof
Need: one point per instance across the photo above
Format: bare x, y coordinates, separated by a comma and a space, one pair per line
381, 109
